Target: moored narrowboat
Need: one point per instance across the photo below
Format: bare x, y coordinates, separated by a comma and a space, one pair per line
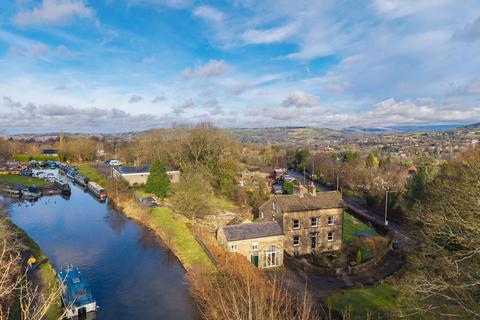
31, 193
62, 185
97, 190
77, 297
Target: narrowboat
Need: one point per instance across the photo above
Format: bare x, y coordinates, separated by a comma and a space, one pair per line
97, 190
62, 185
71, 174
81, 180
77, 297
14, 192
31, 193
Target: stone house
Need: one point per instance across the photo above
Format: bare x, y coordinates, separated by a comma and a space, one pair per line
311, 222
139, 174
261, 243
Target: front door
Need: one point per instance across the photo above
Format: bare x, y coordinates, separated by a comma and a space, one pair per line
254, 259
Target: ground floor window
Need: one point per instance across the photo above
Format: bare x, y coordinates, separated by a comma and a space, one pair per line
313, 240
330, 236
296, 241
271, 257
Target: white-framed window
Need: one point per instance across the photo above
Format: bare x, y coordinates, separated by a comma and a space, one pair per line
313, 240
330, 220
271, 257
314, 222
330, 236
254, 245
296, 241
234, 247
261, 214
296, 224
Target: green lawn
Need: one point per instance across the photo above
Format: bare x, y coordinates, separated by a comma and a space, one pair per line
376, 302
47, 274
174, 227
23, 180
37, 157
219, 203
86, 170
351, 226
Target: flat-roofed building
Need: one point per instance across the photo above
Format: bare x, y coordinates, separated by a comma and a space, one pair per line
139, 174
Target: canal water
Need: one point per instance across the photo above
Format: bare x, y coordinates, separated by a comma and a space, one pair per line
132, 275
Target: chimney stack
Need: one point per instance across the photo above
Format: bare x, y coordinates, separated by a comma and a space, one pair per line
313, 189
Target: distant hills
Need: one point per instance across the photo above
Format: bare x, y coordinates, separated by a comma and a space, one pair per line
308, 135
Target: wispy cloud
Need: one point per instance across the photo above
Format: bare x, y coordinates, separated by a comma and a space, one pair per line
211, 69
54, 12
208, 13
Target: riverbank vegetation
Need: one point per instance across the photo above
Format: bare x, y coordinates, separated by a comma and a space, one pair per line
238, 290
24, 294
375, 302
88, 170
25, 181
444, 267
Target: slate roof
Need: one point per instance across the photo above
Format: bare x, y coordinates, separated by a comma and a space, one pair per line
252, 230
322, 200
133, 170
138, 169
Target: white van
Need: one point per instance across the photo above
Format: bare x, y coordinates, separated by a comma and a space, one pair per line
115, 163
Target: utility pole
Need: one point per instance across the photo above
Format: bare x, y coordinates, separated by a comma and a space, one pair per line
386, 207
304, 179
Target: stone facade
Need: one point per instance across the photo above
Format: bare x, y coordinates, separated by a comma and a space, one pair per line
312, 237
263, 251
311, 222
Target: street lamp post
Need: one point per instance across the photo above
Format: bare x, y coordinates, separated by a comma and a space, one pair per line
386, 206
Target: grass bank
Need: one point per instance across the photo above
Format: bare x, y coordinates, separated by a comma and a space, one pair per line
171, 227
26, 181
45, 272
351, 226
89, 171
36, 157
376, 302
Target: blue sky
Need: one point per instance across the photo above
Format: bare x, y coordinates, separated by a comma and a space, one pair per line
120, 65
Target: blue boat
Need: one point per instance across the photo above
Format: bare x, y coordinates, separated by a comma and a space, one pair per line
76, 294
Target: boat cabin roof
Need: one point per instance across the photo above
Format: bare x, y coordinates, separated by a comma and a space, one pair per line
78, 292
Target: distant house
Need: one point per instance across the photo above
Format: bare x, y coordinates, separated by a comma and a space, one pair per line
50, 152
261, 243
139, 174
311, 222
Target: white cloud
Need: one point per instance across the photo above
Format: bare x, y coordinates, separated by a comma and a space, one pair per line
269, 35
174, 4
31, 117
300, 99
182, 108
470, 32
158, 99
135, 98
39, 50
211, 69
208, 13
54, 12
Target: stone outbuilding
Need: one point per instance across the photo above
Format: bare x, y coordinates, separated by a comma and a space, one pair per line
261, 243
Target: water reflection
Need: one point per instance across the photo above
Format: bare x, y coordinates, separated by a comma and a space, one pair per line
131, 274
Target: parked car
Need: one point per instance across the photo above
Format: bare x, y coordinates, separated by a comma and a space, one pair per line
114, 163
